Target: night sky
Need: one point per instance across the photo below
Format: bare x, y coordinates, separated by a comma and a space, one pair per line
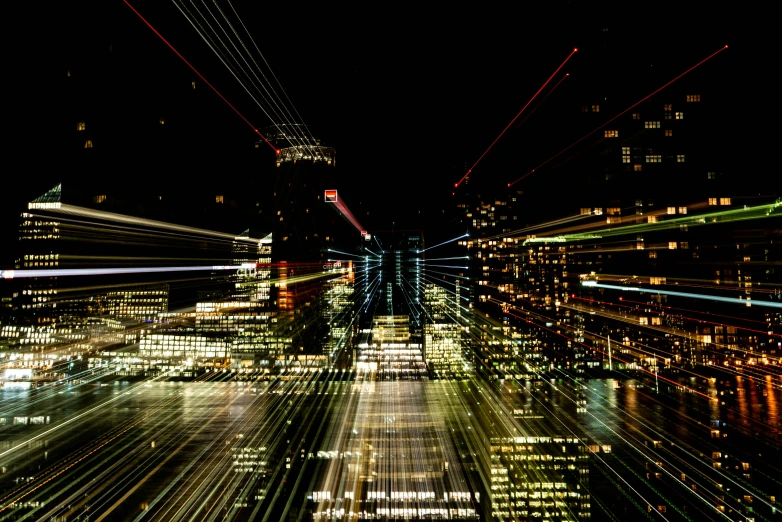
410, 96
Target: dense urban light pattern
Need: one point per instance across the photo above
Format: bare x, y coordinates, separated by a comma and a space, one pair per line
191, 329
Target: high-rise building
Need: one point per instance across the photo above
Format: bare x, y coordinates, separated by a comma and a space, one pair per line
390, 351
443, 329
340, 313
299, 218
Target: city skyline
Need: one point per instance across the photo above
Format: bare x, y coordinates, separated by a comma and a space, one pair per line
316, 264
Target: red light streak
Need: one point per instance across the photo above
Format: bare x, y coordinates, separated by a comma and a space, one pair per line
541, 101
618, 115
516, 117
202, 78
340, 205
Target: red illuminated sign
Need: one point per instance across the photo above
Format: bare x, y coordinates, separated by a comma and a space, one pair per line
331, 196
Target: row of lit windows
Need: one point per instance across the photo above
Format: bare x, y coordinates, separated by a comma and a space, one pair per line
722, 201
41, 257
35, 264
656, 124
134, 301
28, 223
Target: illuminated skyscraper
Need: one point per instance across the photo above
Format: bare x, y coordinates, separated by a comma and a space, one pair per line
443, 329
299, 220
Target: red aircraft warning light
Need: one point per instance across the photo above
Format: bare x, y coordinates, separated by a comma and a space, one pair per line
331, 196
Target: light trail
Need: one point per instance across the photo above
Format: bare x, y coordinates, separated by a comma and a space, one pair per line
65, 272
143, 222
708, 283
361, 256
568, 219
443, 243
574, 51
344, 210
732, 300
595, 348
541, 101
654, 305
202, 78
636, 104
724, 216
226, 55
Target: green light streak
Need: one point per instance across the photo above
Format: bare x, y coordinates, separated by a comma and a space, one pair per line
723, 216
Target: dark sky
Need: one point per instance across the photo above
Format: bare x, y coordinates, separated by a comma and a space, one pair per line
409, 95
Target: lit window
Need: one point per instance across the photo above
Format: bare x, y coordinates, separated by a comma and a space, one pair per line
679, 115
724, 201
99, 199
193, 84
682, 210
598, 211
81, 126
219, 199
668, 115
586, 211
613, 211
684, 245
88, 144
611, 134
595, 108
680, 158
652, 254
672, 245
672, 210
636, 116
693, 97
711, 175
667, 107
625, 154
162, 121
637, 167
654, 158
668, 132
651, 124
712, 201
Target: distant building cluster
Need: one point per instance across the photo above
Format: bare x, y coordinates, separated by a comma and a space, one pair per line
612, 270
